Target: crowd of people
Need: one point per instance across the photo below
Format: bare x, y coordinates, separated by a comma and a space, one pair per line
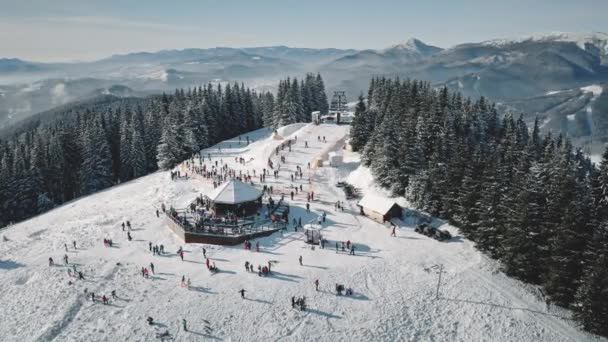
216, 171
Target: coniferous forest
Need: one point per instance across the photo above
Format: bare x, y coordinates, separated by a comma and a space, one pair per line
532, 201
89, 147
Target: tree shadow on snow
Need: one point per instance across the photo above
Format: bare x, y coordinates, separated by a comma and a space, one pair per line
218, 259
258, 300
284, 276
505, 307
455, 239
201, 289
357, 296
314, 266
207, 336
408, 238
166, 274
219, 271
321, 313
9, 265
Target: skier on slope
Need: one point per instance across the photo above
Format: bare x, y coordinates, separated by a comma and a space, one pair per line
242, 291
129, 236
300, 259
317, 284
184, 324
65, 259
51, 262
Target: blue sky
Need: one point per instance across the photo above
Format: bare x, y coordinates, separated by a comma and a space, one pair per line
60, 30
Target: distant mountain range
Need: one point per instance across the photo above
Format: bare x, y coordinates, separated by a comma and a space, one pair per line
545, 76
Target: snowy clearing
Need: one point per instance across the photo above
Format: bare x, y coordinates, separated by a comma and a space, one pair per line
394, 278
595, 89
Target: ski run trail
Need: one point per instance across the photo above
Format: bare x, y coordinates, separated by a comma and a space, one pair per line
394, 278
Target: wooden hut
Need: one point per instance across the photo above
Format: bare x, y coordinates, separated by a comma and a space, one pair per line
378, 208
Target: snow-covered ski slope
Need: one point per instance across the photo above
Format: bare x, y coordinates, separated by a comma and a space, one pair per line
393, 278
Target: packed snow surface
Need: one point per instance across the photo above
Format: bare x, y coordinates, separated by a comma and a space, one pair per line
394, 278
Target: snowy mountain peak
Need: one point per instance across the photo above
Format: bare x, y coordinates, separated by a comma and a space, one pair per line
582, 40
414, 45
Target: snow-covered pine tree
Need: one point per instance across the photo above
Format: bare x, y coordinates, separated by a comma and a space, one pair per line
568, 240
139, 161
360, 127
168, 150
591, 299
96, 159
126, 167
320, 96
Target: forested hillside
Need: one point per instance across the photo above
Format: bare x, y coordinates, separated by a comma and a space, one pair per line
533, 202
85, 148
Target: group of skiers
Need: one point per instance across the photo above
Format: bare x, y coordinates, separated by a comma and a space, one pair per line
128, 225
340, 288
299, 303
176, 175
346, 246
104, 299
262, 270
65, 245
156, 249
247, 246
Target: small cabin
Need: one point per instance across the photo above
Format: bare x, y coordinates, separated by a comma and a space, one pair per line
379, 208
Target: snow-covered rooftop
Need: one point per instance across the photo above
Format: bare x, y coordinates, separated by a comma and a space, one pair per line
234, 192
377, 203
